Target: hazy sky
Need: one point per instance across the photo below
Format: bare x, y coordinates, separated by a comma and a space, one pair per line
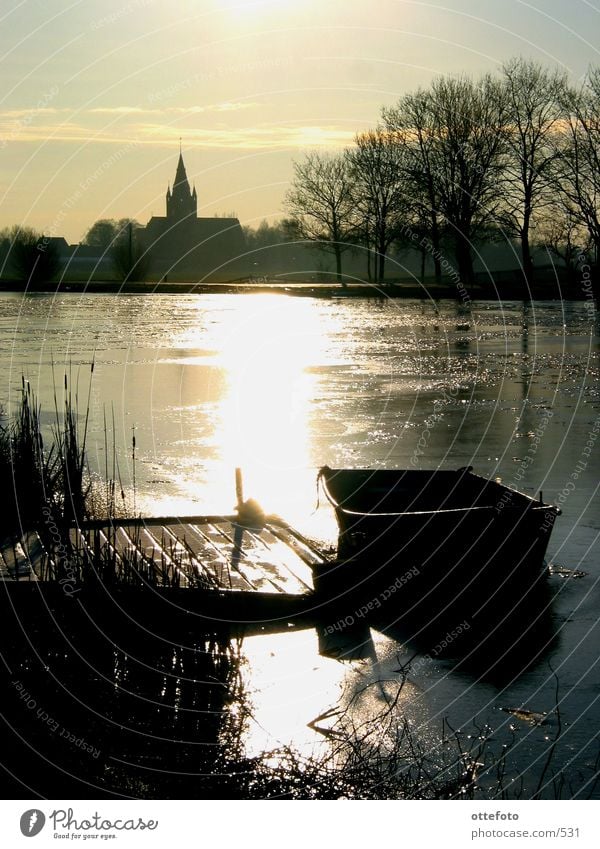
96, 93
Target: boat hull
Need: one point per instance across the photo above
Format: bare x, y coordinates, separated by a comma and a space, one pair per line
440, 556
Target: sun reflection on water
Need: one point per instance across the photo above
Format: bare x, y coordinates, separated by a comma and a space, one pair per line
298, 697
264, 347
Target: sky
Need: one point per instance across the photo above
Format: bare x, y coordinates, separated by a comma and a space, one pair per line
96, 94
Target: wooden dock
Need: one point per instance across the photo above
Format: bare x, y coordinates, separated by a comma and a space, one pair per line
209, 563
210, 552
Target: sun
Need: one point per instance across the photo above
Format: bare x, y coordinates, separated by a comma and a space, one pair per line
251, 8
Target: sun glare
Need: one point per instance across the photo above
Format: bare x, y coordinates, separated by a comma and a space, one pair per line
247, 392
271, 342
248, 8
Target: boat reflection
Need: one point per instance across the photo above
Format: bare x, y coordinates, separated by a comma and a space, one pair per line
499, 642
193, 708
364, 663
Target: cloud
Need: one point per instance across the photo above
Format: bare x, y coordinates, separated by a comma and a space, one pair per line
29, 128
118, 110
225, 106
17, 114
18, 122
252, 138
234, 107
22, 131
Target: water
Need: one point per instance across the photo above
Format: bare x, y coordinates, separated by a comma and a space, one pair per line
281, 386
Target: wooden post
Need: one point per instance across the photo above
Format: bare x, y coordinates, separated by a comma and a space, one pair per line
239, 488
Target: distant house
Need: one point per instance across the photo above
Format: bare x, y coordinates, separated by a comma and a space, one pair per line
59, 243
180, 241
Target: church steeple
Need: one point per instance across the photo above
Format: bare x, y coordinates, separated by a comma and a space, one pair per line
180, 175
182, 202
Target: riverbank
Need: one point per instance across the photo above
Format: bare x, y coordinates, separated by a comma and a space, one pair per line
501, 290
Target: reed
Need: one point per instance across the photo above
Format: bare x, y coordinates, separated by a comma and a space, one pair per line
386, 757
117, 555
33, 472
381, 758
70, 445
54, 492
53, 480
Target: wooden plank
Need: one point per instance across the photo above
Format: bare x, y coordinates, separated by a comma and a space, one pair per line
212, 558
177, 573
267, 562
195, 567
154, 521
107, 545
242, 562
304, 548
85, 547
213, 539
201, 572
289, 559
37, 554
4, 573
17, 562
124, 554
130, 550
290, 567
80, 543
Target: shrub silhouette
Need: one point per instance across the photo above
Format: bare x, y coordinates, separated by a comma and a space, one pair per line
31, 256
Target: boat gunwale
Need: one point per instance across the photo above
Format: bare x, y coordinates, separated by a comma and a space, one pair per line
531, 502
519, 509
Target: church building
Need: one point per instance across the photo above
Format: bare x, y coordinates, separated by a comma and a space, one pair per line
182, 242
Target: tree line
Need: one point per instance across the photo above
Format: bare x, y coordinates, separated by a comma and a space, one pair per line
515, 155
449, 165
120, 241
31, 256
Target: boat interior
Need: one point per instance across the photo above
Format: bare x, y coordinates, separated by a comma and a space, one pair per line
415, 491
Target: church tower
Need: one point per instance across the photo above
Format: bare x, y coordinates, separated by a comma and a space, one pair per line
180, 243
182, 202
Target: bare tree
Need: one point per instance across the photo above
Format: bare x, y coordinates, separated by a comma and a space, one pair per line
534, 96
121, 240
469, 130
562, 234
411, 123
455, 136
578, 169
321, 203
129, 254
379, 191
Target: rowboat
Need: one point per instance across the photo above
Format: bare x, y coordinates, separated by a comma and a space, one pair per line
442, 535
